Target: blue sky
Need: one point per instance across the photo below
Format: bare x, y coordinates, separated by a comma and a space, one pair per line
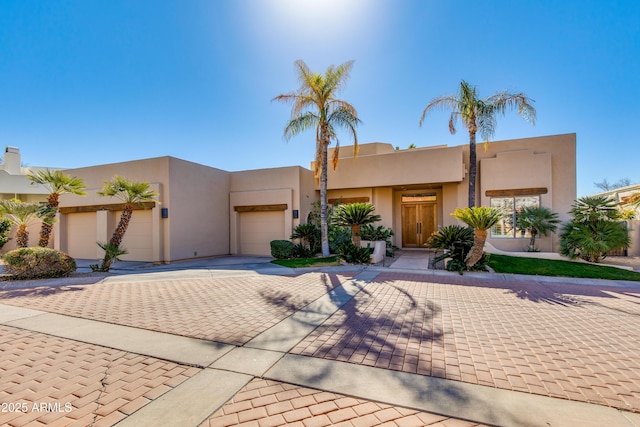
85, 82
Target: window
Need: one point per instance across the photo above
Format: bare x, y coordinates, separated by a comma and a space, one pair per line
510, 206
428, 197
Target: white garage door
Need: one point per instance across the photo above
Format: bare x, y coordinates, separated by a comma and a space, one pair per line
82, 235
258, 229
138, 239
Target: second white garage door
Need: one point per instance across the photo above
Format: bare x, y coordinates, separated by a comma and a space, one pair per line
258, 229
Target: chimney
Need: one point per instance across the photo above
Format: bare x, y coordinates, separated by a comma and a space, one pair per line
12, 161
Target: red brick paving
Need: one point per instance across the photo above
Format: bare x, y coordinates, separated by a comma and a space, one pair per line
573, 342
72, 383
230, 310
266, 403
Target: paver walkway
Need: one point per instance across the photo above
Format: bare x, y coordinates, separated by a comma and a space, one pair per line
321, 348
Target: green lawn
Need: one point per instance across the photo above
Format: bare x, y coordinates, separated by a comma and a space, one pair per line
308, 262
548, 267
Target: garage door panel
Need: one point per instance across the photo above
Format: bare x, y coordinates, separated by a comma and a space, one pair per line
258, 229
138, 239
82, 235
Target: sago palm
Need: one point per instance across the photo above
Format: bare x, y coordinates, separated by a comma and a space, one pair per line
57, 182
538, 220
21, 214
480, 219
315, 106
131, 193
479, 115
355, 215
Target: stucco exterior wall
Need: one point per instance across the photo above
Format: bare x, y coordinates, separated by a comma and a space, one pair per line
266, 188
397, 167
197, 199
544, 162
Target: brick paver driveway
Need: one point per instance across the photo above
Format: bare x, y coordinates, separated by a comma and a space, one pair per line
230, 310
568, 341
574, 342
46, 381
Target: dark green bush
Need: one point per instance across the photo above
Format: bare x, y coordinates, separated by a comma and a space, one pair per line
281, 249
456, 241
369, 232
301, 251
353, 254
5, 230
38, 263
309, 235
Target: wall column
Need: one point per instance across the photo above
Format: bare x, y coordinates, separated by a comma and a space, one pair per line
102, 232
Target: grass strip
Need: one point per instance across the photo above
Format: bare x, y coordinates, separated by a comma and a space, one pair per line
549, 267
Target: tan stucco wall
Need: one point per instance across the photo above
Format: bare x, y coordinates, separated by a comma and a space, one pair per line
292, 186
195, 195
548, 162
521, 163
201, 200
197, 198
397, 168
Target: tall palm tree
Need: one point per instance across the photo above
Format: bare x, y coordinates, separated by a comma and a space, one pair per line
480, 219
57, 182
315, 106
21, 214
479, 115
131, 193
355, 215
538, 220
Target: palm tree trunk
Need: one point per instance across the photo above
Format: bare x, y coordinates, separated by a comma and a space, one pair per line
45, 232
355, 235
123, 224
324, 217
22, 236
472, 169
477, 250
532, 242
47, 222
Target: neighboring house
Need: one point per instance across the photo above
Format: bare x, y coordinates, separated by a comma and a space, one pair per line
204, 211
624, 197
14, 184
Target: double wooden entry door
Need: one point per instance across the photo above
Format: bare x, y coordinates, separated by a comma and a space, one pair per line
418, 223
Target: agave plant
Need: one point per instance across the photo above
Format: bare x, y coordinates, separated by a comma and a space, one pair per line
480, 219
355, 215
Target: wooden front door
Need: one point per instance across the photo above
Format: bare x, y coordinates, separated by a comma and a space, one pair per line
418, 223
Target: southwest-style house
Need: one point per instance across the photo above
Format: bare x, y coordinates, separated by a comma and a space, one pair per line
203, 211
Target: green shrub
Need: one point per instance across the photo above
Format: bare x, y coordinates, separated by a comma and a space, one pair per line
38, 263
281, 249
368, 232
301, 251
338, 236
309, 235
353, 254
456, 241
5, 230
594, 230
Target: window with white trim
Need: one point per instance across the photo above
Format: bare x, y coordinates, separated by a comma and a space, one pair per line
510, 206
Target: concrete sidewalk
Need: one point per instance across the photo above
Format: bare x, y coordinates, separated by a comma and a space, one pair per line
268, 375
